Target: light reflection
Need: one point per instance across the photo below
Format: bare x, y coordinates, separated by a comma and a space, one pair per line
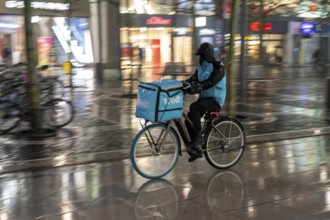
271, 151
80, 178
186, 189
317, 131
67, 216
250, 202
251, 211
65, 185
261, 183
289, 153
67, 212
253, 146
323, 174
94, 180
12, 189
327, 199
60, 160
270, 144
4, 216
291, 167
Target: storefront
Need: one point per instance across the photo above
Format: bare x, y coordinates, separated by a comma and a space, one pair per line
301, 42
55, 42
153, 40
272, 41
152, 34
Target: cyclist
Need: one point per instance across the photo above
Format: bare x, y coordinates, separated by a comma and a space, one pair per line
209, 81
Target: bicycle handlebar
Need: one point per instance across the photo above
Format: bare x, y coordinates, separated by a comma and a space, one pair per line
185, 85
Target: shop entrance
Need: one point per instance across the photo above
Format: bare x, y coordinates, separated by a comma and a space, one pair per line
182, 49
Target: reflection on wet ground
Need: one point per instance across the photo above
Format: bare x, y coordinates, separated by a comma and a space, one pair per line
84, 172
275, 180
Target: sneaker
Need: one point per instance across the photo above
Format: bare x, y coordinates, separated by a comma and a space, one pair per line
194, 152
194, 148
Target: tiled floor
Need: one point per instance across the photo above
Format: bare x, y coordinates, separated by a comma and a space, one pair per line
276, 180
84, 172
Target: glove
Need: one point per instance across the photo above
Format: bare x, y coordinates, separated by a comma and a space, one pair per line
194, 88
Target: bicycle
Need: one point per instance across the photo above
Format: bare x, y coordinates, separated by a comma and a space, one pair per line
14, 107
156, 147
50, 86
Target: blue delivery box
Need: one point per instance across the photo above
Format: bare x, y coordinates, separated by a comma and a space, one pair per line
160, 100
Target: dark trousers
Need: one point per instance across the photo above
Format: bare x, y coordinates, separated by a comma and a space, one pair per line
196, 112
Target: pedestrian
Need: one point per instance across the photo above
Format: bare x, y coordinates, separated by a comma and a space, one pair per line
140, 49
316, 57
6, 54
209, 81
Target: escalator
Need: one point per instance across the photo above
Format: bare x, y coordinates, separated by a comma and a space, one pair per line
75, 42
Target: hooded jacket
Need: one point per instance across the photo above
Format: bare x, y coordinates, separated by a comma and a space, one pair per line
211, 76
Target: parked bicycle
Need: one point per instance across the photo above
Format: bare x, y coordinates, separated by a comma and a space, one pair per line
156, 148
50, 86
15, 107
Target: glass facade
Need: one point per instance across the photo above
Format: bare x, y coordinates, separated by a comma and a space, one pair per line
168, 7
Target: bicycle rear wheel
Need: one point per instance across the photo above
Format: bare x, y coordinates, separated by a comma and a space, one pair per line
225, 191
148, 159
10, 116
57, 113
225, 143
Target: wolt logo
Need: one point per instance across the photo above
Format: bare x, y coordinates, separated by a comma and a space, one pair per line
142, 103
173, 100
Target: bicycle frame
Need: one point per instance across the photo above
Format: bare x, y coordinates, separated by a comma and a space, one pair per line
207, 125
182, 128
156, 145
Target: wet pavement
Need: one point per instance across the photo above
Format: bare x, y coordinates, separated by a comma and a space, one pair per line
84, 171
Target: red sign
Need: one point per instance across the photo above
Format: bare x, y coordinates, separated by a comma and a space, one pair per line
227, 9
159, 20
255, 26
268, 26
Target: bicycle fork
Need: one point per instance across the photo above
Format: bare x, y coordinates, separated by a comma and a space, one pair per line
156, 145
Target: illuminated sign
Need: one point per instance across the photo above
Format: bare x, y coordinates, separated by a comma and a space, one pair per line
227, 9
10, 26
255, 26
200, 22
307, 27
312, 9
158, 21
39, 5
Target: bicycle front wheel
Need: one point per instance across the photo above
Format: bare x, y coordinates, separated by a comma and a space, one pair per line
154, 152
57, 113
154, 198
225, 143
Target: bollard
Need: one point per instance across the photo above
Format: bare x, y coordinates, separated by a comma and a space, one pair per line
67, 67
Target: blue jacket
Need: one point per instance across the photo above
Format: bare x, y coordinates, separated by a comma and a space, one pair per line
212, 79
